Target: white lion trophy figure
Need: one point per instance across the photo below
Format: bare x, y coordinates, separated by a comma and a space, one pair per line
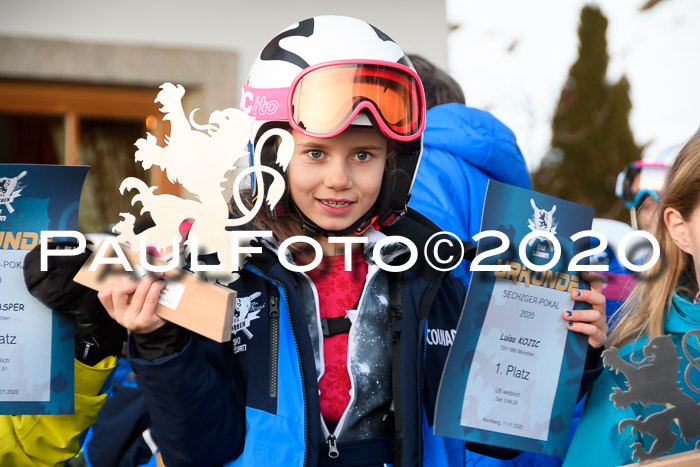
198, 157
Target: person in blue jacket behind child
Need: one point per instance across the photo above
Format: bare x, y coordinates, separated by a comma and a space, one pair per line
463, 148
333, 367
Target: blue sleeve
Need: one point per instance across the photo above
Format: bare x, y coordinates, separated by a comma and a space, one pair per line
196, 403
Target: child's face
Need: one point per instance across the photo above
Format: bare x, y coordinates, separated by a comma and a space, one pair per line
334, 181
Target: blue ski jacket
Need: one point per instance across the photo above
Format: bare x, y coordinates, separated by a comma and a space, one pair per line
463, 148
602, 440
255, 399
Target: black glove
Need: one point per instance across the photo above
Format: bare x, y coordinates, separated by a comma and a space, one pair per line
97, 335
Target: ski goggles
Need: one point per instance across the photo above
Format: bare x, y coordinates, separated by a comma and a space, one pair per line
325, 99
651, 181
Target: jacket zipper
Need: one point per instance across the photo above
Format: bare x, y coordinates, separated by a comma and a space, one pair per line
301, 368
331, 437
421, 384
332, 448
274, 343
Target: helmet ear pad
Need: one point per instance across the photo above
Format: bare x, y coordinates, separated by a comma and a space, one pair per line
398, 178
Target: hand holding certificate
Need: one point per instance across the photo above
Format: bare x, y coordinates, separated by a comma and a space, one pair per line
514, 370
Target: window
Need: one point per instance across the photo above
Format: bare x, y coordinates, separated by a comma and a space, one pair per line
75, 124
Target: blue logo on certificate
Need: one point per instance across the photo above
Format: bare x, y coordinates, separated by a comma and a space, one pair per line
513, 373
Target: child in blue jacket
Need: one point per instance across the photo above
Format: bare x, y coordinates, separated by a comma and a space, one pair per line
328, 366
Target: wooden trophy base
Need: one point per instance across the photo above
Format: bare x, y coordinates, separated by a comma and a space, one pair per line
207, 309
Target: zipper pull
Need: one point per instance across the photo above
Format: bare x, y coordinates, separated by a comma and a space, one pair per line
274, 307
332, 448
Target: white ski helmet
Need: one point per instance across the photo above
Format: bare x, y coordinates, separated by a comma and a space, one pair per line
325, 73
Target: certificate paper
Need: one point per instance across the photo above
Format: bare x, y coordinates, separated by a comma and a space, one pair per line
36, 345
519, 367
513, 373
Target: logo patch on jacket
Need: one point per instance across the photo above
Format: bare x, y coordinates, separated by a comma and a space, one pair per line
247, 309
443, 337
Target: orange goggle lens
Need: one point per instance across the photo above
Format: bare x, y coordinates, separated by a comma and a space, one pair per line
325, 99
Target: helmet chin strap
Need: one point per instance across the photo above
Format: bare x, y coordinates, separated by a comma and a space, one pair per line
311, 229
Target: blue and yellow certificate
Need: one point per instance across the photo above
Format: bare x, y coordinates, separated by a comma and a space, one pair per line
36, 345
513, 373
